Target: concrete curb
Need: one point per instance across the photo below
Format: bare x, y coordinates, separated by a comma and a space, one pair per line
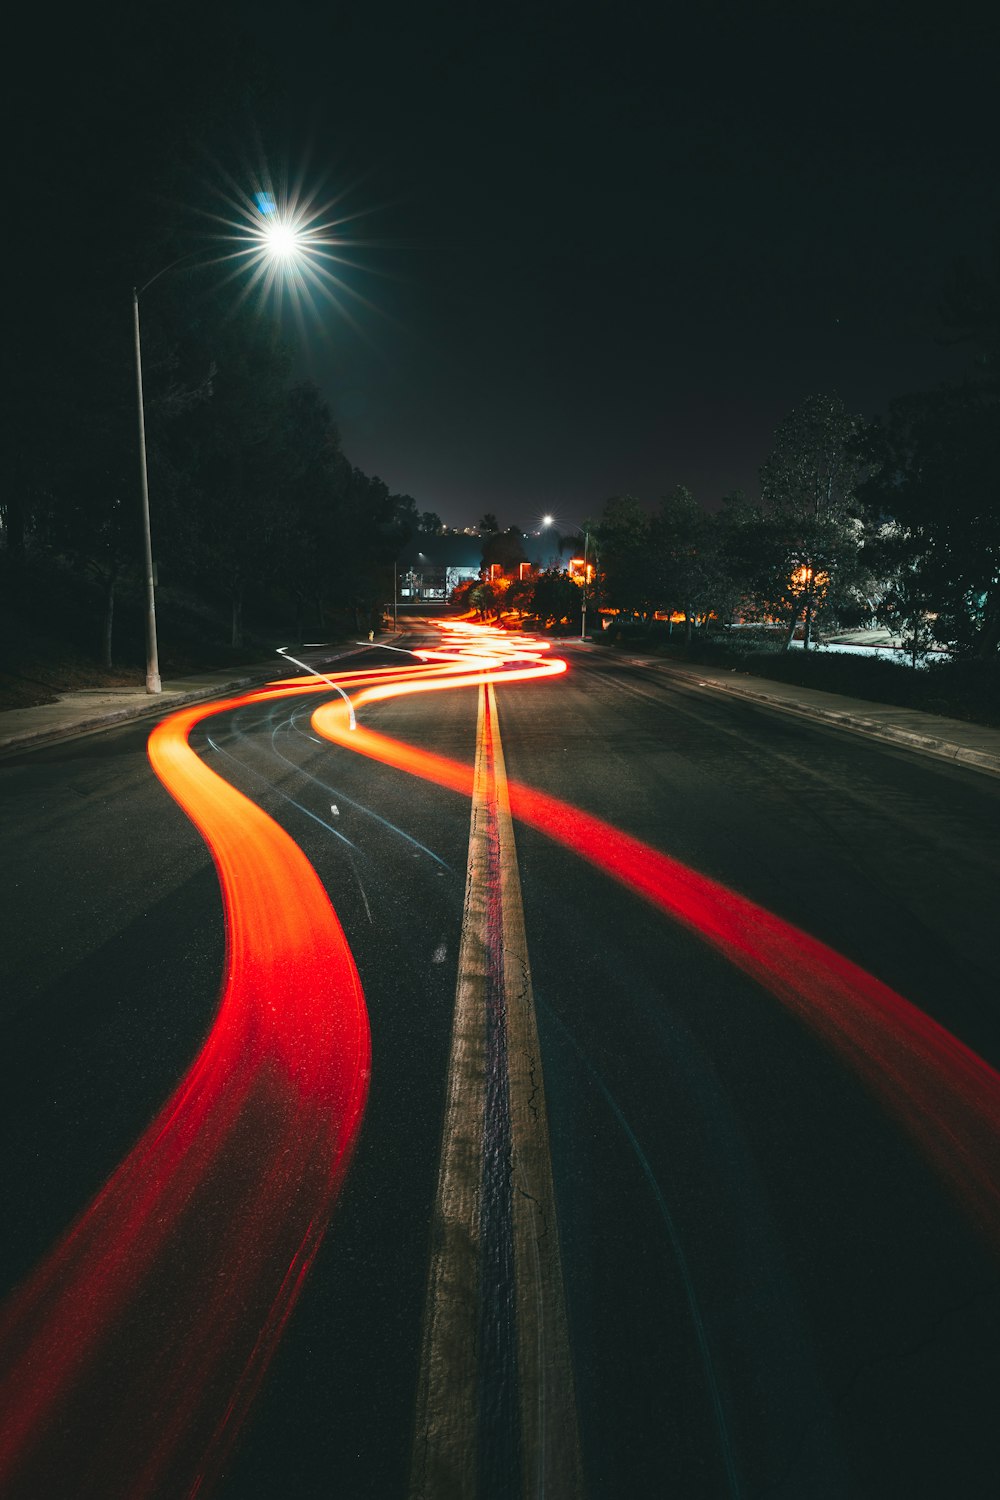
944, 749
158, 706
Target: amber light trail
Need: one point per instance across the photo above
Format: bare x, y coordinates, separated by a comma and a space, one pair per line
166, 1299
945, 1095
135, 1349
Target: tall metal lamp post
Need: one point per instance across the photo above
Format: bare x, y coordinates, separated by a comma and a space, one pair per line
153, 684
280, 241
583, 611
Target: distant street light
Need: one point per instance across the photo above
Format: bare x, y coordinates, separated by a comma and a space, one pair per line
277, 240
583, 612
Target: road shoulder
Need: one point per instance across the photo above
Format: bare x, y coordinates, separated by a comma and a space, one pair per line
973, 745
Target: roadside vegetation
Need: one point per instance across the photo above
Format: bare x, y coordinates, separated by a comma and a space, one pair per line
263, 528
890, 526
260, 522
959, 688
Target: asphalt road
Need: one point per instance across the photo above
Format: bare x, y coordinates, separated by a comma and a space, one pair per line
770, 1291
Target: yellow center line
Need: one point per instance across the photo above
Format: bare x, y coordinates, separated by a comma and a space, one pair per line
445, 1448
549, 1435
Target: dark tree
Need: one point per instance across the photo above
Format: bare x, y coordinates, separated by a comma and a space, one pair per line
368, 545
628, 571
405, 522
812, 512
897, 558
505, 548
730, 575
939, 481
556, 599
313, 490
239, 462
683, 557
483, 598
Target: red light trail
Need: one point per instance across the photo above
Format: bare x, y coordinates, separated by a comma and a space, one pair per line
165, 1300
136, 1347
944, 1094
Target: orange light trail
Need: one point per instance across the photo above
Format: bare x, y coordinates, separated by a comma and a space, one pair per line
168, 1296
134, 1350
166, 1299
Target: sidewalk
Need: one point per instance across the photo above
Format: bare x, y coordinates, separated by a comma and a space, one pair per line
86, 711
971, 745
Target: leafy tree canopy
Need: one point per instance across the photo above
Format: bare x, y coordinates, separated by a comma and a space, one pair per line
938, 480
628, 572
807, 541
505, 548
556, 599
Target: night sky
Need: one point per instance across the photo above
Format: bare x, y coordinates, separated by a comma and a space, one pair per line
609, 247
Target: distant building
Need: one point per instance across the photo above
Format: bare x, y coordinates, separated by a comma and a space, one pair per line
430, 567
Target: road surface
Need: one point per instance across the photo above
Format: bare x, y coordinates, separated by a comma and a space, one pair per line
674, 1167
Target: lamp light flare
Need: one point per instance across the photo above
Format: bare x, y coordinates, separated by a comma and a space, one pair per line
293, 244
283, 240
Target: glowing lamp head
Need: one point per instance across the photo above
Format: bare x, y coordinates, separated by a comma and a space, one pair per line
546, 520
282, 240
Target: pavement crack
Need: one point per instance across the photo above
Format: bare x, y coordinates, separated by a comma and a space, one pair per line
542, 1219
535, 1087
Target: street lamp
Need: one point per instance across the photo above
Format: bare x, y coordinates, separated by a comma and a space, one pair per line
153, 684
278, 240
583, 611
548, 558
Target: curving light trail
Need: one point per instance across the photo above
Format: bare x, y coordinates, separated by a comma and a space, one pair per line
164, 1302
166, 1299
944, 1094
135, 1349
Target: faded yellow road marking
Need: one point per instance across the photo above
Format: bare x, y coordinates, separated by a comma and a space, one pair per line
445, 1448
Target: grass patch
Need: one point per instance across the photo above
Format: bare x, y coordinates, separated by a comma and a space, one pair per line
51, 630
